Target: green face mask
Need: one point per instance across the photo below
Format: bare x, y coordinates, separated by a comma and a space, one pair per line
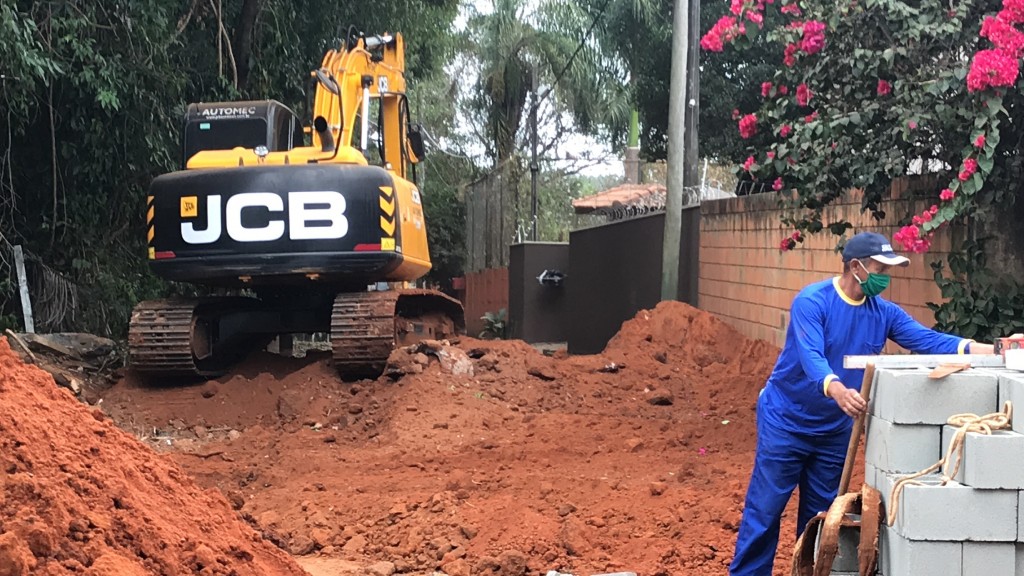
875, 283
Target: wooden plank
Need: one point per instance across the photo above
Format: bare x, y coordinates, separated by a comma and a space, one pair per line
26, 303
923, 360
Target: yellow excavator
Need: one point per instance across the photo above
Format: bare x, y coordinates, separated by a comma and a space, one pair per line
304, 231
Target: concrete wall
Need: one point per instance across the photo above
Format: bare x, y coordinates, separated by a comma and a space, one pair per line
538, 313
615, 271
748, 282
974, 525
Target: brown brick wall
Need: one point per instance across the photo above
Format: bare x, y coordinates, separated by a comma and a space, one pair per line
748, 282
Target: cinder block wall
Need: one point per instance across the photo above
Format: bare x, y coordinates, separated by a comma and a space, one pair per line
745, 280
974, 525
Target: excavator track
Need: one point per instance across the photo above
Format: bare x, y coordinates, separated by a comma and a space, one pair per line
180, 337
367, 326
205, 337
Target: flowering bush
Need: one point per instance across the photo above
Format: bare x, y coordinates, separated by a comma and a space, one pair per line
882, 87
748, 126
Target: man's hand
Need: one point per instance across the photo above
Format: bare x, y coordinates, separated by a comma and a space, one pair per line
849, 400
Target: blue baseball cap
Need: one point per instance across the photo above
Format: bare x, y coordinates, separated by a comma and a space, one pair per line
874, 246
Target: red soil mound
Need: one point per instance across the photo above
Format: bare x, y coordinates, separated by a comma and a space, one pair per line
635, 459
79, 496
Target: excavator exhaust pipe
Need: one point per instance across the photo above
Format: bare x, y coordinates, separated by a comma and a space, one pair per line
326, 138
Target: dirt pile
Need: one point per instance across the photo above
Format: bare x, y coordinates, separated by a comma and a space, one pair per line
635, 459
80, 496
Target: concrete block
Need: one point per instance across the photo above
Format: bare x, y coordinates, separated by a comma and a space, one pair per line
900, 448
846, 560
955, 512
871, 476
989, 558
1011, 387
899, 556
910, 397
989, 461
1020, 518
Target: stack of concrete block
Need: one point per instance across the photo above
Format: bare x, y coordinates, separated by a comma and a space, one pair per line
973, 525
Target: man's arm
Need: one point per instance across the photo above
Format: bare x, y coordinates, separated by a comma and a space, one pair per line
807, 320
913, 336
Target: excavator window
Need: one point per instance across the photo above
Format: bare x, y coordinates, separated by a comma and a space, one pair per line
226, 125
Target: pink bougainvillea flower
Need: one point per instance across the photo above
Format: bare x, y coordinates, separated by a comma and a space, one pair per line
785, 131
1003, 35
755, 17
777, 185
912, 125
735, 113
793, 9
813, 39
910, 238
979, 142
789, 56
970, 166
766, 89
782, 89
933, 210
946, 195
748, 126
797, 236
736, 7
749, 164
786, 244
771, 154
725, 30
1012, 12
884, 88
803, 95
992, 68
811, 117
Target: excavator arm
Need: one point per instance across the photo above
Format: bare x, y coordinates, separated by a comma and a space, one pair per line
364, 69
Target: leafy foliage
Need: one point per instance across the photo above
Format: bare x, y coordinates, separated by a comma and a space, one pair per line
867, 92
495, 325
980, 303
728, 81
886, 96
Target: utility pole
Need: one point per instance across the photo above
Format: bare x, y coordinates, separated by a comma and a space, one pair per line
691, 180
534, 166
676, 150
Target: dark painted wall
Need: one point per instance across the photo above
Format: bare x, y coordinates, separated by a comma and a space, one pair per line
615, 271
538, 313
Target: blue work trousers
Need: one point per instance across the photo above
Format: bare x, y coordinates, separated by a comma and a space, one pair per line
783, 461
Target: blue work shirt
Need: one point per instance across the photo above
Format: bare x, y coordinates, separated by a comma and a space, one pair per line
824, 326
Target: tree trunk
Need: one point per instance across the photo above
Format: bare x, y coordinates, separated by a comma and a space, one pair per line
242, 41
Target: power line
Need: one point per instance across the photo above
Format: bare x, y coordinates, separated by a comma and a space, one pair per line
579, 47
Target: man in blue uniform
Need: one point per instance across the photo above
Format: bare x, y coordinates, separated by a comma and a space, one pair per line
805, 411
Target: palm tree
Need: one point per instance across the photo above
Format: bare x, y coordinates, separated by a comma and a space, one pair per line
513, 45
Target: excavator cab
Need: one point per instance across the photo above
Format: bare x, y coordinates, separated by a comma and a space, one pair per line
246, 124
